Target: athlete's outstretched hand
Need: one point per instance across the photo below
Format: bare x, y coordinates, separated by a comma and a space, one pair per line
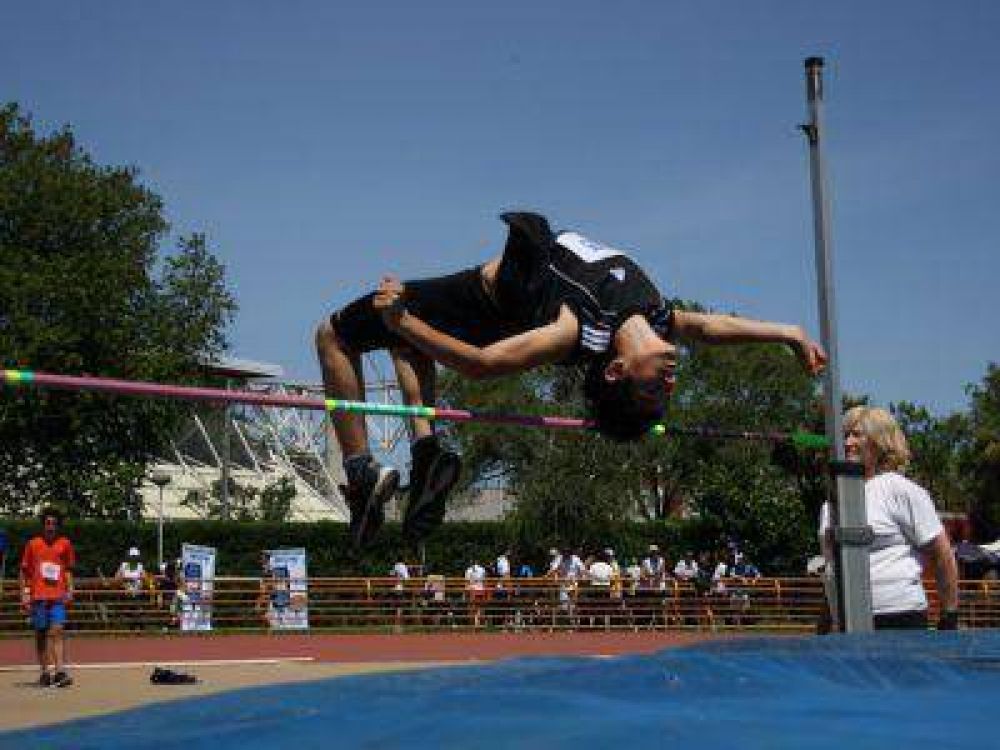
389, 300
810, 354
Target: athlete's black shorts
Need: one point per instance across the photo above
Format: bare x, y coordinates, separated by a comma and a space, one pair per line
458, 304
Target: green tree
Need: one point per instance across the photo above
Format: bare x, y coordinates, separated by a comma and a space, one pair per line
981, 461
937, 445
276, 500
742, 489
246, 503
79, 293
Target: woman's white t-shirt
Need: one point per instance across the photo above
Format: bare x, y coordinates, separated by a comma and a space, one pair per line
902, 517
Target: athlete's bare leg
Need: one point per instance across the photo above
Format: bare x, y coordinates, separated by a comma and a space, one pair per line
343, 378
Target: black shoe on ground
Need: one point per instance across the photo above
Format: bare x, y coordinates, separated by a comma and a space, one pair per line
367, 498
61, 680
45, 680
161, 676
434, 472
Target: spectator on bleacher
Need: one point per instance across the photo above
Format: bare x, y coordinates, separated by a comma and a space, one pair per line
167, 584
633, 572
616, 573
46, 578
525, 571
720, 574
501, 569
742, 573
434, 588
569, 567
705, 567
654, 570
475, 588
475, 579
401, 573
569, 572
686, 568
596, 595
609, 553
265, 588
555, 560
130, 573
905, 523
600, 574
743, 568
188, 592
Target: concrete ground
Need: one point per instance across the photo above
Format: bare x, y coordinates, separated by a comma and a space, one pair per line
106, 690
112, 673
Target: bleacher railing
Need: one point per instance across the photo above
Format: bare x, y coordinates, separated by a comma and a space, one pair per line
437, 603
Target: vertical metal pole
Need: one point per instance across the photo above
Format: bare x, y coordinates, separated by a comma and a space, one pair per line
824, 264
853, 576
159, 534
224, 494
161, 480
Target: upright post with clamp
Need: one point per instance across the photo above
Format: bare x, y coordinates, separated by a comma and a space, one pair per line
852, 539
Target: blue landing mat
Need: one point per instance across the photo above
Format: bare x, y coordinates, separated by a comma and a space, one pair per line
871, 691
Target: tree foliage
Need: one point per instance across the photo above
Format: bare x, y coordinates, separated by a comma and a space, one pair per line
981, 461
937, 445
273, 502
79, 293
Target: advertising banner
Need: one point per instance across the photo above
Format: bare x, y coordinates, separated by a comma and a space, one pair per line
196, 587
285, 589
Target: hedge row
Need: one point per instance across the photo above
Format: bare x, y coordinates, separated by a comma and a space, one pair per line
102, 545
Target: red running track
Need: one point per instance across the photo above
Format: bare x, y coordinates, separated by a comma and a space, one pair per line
408, 647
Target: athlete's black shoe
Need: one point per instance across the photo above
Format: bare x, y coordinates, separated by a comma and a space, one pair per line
45, 680
61, 679
433, 473
366, 498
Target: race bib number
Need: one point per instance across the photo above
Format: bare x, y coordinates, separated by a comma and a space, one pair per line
586, 249
50, 572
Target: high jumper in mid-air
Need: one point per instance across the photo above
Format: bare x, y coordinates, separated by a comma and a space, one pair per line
549, 298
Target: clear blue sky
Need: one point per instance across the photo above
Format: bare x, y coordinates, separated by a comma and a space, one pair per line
321, 144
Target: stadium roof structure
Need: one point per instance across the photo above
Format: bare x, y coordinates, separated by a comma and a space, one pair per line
257, 445
243, 369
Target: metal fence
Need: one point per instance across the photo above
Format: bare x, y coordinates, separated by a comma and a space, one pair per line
437, 603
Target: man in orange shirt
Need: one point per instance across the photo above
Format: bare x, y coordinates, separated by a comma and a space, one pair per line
46, 587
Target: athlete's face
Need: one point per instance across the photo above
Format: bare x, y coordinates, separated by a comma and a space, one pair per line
653, 372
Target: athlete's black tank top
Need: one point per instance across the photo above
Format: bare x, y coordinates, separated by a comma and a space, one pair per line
543, 270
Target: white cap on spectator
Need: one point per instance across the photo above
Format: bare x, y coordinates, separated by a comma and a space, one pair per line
133, 551
553, 552
609, 552
654, 548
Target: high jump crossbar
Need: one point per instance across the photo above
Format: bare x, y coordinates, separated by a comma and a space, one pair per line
88, 383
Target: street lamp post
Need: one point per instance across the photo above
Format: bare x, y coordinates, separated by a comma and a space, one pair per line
160, 479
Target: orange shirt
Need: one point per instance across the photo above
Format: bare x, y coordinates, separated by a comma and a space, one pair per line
46, 566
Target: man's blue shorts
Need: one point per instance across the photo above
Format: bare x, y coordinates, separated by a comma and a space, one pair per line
46, 613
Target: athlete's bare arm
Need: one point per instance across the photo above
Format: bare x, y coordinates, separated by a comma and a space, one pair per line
544, 345
713, 328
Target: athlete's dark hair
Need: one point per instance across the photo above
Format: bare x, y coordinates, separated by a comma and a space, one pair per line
615, 406
50, 512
